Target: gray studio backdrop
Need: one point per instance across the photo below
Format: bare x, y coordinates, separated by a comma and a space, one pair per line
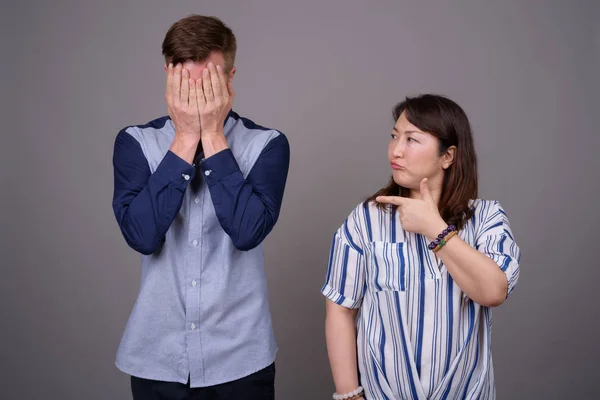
327, 73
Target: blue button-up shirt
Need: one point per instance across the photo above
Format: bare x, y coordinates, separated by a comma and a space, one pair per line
202, 310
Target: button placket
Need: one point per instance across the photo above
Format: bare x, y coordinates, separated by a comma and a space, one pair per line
194, 262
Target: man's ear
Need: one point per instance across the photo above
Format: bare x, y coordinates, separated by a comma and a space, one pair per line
231, 74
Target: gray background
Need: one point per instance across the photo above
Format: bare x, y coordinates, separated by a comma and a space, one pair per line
327, 73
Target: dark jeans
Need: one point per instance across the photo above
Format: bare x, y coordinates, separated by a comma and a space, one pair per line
258, 386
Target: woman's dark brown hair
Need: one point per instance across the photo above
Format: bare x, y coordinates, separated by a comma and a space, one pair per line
446, 120
193, 38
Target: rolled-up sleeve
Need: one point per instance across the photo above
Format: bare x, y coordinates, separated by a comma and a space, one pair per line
345, 282
496, 240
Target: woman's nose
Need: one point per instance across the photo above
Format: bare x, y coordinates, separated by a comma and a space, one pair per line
398, 150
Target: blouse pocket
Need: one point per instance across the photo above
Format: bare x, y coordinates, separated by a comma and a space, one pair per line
387, 269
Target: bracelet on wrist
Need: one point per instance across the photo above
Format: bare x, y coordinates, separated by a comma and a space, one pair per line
441, 240
353, 395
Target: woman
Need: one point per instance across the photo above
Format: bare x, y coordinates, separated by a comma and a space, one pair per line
420, 263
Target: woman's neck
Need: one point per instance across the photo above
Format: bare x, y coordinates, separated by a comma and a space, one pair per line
436, 193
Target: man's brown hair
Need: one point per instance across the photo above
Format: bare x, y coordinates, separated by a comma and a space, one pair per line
193, 38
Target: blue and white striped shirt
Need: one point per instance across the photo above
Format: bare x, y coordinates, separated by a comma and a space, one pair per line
419, 336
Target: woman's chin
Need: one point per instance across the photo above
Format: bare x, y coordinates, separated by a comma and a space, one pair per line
405, 183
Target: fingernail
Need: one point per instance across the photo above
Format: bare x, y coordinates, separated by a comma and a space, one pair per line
170, 65
218, 67
211, 65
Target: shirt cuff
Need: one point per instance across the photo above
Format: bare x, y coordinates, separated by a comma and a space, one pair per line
174, 169
219, 166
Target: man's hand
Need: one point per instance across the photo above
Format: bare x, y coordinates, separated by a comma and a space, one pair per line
182, 104
215, 99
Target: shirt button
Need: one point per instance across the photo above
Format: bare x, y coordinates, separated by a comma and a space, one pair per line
194, 283
186, 177
195, 242
197, 200
207, 172
193, 326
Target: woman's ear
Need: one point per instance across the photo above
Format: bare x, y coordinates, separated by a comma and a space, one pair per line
448, 157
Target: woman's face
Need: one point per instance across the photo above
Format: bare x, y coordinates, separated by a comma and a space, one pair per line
415, 155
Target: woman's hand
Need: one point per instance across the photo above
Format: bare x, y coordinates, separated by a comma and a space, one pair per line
418, 215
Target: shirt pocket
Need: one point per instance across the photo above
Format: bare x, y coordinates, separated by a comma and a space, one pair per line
387, 266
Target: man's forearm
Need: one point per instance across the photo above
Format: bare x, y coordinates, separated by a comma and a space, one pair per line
247, 208
184, 146
213, 143
146, 203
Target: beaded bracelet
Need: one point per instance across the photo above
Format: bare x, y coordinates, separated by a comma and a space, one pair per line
355, 394
442, 238
445, 240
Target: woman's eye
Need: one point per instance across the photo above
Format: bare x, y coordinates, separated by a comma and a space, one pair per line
411, 140
393, 136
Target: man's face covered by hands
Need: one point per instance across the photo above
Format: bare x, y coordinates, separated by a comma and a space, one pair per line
195, 68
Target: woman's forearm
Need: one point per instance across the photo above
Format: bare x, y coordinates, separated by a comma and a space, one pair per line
340, 333
474, 272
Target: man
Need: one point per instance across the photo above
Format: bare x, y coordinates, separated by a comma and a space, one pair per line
196, 192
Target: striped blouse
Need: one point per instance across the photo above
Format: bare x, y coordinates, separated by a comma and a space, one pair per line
418, 335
